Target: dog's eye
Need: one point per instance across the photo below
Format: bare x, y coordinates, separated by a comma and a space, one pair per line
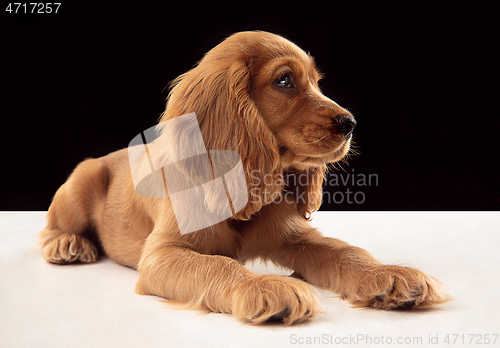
285, 81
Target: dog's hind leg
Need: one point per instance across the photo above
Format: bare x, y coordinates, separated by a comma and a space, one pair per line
72, 213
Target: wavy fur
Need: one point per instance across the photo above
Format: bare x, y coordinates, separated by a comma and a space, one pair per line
256, 94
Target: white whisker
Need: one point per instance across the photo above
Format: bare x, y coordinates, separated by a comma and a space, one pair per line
315, 141
324, 142
294, 137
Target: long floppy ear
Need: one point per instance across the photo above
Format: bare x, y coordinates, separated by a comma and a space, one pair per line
307, 186
217, 91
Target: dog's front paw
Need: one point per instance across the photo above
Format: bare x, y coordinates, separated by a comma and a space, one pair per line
68, 248
391, 287
273, 297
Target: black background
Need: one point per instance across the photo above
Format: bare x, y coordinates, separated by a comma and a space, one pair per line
422, 82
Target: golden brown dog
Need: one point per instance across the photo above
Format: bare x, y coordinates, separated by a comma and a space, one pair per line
257, 94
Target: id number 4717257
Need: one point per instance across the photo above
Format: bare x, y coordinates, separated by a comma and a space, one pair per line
33, 7
471, 339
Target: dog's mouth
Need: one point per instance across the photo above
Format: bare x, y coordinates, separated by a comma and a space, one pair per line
299, 161
338, 153
341, 151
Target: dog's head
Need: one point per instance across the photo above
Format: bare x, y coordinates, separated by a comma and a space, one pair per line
257, 94
310, 128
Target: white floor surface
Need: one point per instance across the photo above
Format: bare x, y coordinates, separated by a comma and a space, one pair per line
44, 305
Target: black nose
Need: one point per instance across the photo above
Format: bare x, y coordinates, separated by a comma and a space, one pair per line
344, 124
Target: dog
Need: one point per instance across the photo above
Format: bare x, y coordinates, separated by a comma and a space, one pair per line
255, 94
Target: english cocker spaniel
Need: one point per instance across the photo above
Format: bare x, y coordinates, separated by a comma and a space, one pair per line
255, 94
